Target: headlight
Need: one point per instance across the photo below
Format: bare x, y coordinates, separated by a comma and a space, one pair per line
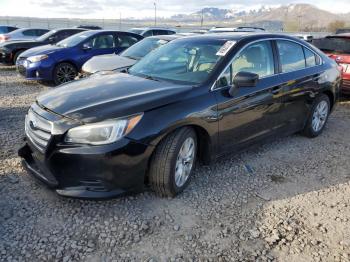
37, 58
102, 133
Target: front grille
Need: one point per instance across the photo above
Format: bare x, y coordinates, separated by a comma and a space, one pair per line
38, 130
20, 67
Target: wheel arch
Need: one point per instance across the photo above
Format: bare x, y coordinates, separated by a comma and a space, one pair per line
204, 143
331, 98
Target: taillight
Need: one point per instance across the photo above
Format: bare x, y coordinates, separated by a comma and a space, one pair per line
4, 38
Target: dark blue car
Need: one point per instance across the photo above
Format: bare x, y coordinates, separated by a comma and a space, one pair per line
61, 62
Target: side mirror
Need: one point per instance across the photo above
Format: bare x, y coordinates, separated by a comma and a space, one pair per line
243, 79
87, 46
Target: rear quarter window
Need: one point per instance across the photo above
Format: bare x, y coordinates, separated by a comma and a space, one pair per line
310, 58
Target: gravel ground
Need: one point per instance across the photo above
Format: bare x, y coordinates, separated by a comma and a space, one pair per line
288, 200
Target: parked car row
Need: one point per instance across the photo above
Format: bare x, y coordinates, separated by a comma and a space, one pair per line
61, 62
150, 113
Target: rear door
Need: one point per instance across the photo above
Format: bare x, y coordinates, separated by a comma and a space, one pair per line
252, 113
299, 72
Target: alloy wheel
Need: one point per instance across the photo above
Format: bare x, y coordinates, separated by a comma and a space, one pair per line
319, 116
66, 73
184, 162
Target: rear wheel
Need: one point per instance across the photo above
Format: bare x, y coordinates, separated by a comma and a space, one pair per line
318, 117
173, 162
63, 73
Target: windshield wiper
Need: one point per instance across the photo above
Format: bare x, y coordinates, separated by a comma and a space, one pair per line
151, 78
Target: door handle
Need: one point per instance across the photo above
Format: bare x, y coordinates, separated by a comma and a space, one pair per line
275, 90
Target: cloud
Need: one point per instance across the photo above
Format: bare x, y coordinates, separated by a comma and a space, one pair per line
144, 8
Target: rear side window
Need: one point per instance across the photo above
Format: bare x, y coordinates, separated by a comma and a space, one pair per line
148, 33
291, 56
126, 41
310, 58
102, 42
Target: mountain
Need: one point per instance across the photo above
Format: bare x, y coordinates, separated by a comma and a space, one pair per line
301, 16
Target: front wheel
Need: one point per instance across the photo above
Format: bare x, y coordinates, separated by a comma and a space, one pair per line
318, 117
63, 73
173, 162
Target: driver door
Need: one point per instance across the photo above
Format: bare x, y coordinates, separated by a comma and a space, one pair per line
249, 113
97, 45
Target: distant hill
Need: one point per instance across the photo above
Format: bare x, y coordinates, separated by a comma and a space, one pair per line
304, 16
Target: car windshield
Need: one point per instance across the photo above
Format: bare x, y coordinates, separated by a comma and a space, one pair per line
75, 39
143, 47
46, 36
333, 44
136, 31
180, 61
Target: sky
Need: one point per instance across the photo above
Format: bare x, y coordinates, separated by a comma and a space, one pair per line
141, 8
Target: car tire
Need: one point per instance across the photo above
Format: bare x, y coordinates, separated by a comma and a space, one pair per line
173, 162
318, 117
16, 56
63, 73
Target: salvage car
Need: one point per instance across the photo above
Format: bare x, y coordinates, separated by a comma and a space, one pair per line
23, 34
196, 98
337, 47
9, 51
60, 63
114, 62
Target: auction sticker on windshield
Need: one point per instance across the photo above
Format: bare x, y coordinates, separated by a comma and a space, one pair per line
225, 48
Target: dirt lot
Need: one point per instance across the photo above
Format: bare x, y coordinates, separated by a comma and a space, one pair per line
288, 200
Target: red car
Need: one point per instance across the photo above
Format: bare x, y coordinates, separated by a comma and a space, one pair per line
337, 47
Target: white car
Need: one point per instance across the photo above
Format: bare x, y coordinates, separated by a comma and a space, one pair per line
23, 34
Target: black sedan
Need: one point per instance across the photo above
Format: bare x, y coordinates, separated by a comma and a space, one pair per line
9, 51
196, 98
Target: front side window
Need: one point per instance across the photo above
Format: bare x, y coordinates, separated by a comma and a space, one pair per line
291, 56
30, 32
181, 61
256, 58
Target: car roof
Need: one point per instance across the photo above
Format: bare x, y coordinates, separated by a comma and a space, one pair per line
151, 28
237, 36
346, 35
166, 37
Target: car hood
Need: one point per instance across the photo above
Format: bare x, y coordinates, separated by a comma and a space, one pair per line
107, 62
110, 96
41, 50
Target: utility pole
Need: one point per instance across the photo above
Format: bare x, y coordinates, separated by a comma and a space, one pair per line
155, 14
202, 18
299, 22
120, 21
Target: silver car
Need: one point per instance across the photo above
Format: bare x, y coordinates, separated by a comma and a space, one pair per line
23, 34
